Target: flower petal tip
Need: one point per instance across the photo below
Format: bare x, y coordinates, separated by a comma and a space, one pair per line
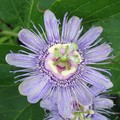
9, 58
100, 28
20, 89
22, 31
109, 85
48, 12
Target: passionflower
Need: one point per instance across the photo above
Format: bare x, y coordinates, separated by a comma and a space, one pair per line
98, 110
58, 64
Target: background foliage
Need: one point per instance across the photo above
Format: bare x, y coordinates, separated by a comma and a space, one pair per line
15, 14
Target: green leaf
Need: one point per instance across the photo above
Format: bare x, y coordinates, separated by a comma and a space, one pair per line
45, 4
6, 78
16, 12
114, 68
13, 106
115, 78
21, 12
116, 107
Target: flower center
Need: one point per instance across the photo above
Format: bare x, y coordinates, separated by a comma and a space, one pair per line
63, 60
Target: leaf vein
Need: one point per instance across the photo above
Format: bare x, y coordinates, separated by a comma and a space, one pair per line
17, 12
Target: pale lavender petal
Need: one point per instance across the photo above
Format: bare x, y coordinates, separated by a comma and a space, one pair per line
96, 79
64, 102
32, 87
89, 37
51, 105
64, 28
29, 83
31, 40
48, 104
54, 115
103, 103
51, 26
95, 91
36, 93
82, 93
98, 53
101, 70
97, 116
21, 60
71, 29
56, 118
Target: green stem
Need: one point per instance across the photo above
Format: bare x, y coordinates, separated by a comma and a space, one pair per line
8, 33
3, 39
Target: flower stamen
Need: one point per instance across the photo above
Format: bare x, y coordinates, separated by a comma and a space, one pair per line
65, 59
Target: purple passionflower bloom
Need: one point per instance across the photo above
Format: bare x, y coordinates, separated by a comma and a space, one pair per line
100, 106
59, 62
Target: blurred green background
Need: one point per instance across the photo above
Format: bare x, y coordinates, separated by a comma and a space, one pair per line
16, 14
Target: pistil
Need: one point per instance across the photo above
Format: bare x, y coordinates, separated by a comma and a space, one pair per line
66, 56
63, 60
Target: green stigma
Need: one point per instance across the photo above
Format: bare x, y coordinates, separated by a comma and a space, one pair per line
81, 115
73, 46
63, 58
75, 59
57, 53
68, 48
